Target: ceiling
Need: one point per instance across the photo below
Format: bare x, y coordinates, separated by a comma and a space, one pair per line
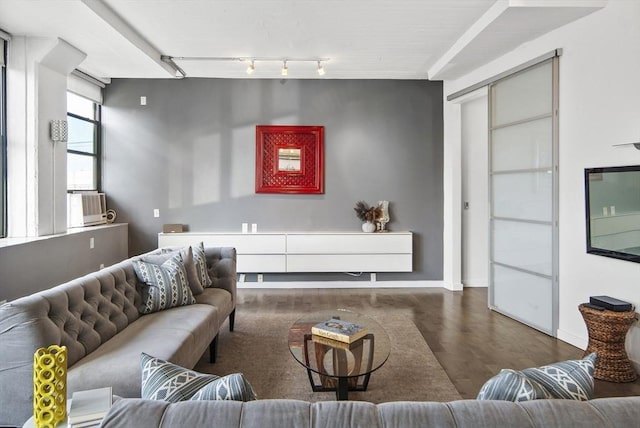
357, 39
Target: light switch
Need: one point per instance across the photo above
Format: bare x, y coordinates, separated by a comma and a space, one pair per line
156, 212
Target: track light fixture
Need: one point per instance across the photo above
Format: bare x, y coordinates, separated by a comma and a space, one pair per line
251, 67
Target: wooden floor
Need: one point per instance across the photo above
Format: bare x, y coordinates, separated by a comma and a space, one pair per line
471, 342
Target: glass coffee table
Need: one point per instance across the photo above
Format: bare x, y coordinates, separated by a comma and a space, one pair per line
338, 366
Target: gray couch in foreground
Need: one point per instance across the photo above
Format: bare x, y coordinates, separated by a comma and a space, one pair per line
601, 413
96, 317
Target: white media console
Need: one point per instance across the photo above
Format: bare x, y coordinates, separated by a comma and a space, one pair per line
308, 251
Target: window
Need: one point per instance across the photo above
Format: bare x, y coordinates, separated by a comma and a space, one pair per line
3, 139
83, 146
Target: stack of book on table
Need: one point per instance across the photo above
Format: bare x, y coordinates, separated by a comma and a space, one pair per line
89, 407
341, 331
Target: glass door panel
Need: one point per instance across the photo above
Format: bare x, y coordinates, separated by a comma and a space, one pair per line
523, 245
523, 296
523, 96
523, 146
523, 194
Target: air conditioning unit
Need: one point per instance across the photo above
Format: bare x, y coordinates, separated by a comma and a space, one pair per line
86, 209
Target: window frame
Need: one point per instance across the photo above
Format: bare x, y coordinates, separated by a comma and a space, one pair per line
3, 143
97, 139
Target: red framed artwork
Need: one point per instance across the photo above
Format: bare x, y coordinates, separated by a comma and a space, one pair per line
289, 159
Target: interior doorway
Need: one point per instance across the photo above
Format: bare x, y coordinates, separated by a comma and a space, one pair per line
475, 189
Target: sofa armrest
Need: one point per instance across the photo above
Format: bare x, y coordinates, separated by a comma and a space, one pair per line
221, 263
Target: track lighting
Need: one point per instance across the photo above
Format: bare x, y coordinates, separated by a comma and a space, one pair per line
251, 68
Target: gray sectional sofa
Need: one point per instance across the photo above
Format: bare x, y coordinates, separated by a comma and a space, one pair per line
600, 413
97, 318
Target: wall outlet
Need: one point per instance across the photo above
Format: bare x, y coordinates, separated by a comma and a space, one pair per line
156, 212
245, 227
92, 243
143, 101
254, 227
260, 277
374, 277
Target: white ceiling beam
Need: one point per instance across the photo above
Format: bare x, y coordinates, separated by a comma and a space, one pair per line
497, 15
478, 27
128, 32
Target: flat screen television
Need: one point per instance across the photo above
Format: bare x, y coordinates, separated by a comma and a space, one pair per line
613, 211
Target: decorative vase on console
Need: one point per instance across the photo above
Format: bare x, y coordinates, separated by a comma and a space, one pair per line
369, 215
369, 227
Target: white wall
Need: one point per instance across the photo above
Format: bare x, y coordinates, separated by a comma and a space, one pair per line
599, 106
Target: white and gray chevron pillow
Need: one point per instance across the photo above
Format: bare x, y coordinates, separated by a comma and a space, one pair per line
162, 380
571, 380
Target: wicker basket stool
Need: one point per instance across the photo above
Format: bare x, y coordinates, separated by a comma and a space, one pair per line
607, 334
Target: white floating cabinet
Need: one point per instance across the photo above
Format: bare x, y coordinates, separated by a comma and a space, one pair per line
308, 251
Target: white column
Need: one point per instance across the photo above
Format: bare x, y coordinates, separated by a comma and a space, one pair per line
37, 73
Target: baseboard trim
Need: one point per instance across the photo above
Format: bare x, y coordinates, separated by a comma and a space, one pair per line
343, 284
572, 339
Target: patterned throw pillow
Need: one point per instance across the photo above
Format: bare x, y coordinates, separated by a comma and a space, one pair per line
200, 260
510, 385
187, 255
166, 285
162, 380
230, 387
571, 379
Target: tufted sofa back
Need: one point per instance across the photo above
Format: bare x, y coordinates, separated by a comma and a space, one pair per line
600, 413
80, 314
221, 263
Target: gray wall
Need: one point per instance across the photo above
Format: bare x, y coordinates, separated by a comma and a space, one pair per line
190, 153
41, 263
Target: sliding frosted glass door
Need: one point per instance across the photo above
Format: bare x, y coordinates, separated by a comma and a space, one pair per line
523, 194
